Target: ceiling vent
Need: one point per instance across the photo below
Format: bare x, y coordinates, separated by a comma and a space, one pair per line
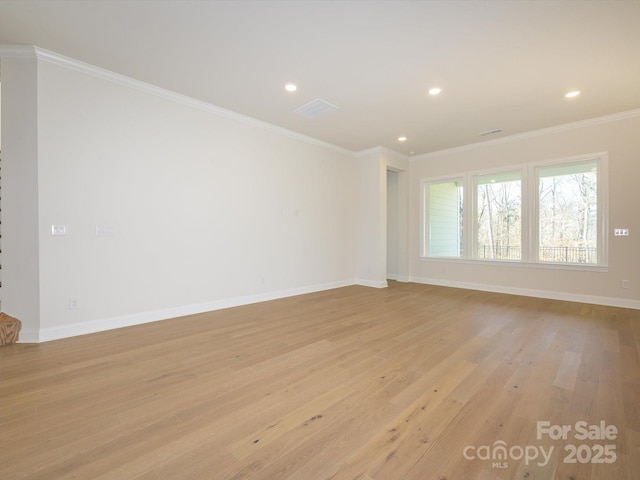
491, 132
316, 109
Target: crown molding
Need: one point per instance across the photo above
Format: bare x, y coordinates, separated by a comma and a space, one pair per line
30, 51
379, 150
368, 151
614, 117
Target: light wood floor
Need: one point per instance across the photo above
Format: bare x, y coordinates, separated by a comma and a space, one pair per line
353, 383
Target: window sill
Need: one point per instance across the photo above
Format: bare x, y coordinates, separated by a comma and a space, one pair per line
520, 264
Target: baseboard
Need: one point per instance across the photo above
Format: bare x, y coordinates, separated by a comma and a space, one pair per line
83, 328
527, 292
398, 278
371, 283
29, 336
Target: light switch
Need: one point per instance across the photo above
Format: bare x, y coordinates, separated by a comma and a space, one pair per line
104, 230
58, 229
620, 232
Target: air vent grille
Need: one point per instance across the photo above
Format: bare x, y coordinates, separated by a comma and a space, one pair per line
316, 109
491, 132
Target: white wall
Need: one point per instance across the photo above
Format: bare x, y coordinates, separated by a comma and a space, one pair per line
210, 209
399, 165
371, 242
617, 135
371, 251
207, 210
0, 203
20, 242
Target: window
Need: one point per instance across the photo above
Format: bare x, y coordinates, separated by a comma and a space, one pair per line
550, 213
498, 216
568, 227
444, 219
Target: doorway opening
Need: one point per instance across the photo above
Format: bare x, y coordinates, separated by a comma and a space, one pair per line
393, 226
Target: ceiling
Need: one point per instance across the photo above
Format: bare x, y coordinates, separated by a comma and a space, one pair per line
501, 64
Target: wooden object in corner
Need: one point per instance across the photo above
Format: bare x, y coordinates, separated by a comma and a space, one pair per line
9, 329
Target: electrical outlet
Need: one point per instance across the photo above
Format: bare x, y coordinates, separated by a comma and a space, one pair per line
73, 303
625, 283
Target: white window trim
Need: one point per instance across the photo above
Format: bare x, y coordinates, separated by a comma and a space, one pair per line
524, 213
424, 213
602, 160
529, 214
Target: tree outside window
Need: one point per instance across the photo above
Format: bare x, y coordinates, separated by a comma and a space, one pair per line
568, 213
499, 217
559, 218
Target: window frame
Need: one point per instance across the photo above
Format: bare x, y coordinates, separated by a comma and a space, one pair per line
602, 221
426, 217
530, 214
475, 176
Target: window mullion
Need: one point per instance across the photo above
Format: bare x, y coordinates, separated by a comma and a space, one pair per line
470, 220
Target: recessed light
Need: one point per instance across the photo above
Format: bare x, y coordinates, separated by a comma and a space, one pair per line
434, 91
402, 139
290, 87
575, 93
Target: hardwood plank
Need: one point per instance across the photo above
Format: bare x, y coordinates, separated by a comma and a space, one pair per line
387, 443
307, 412
343, 384
568, 371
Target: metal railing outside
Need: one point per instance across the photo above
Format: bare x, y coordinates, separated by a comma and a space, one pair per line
568, 254
545, 254
499, 252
